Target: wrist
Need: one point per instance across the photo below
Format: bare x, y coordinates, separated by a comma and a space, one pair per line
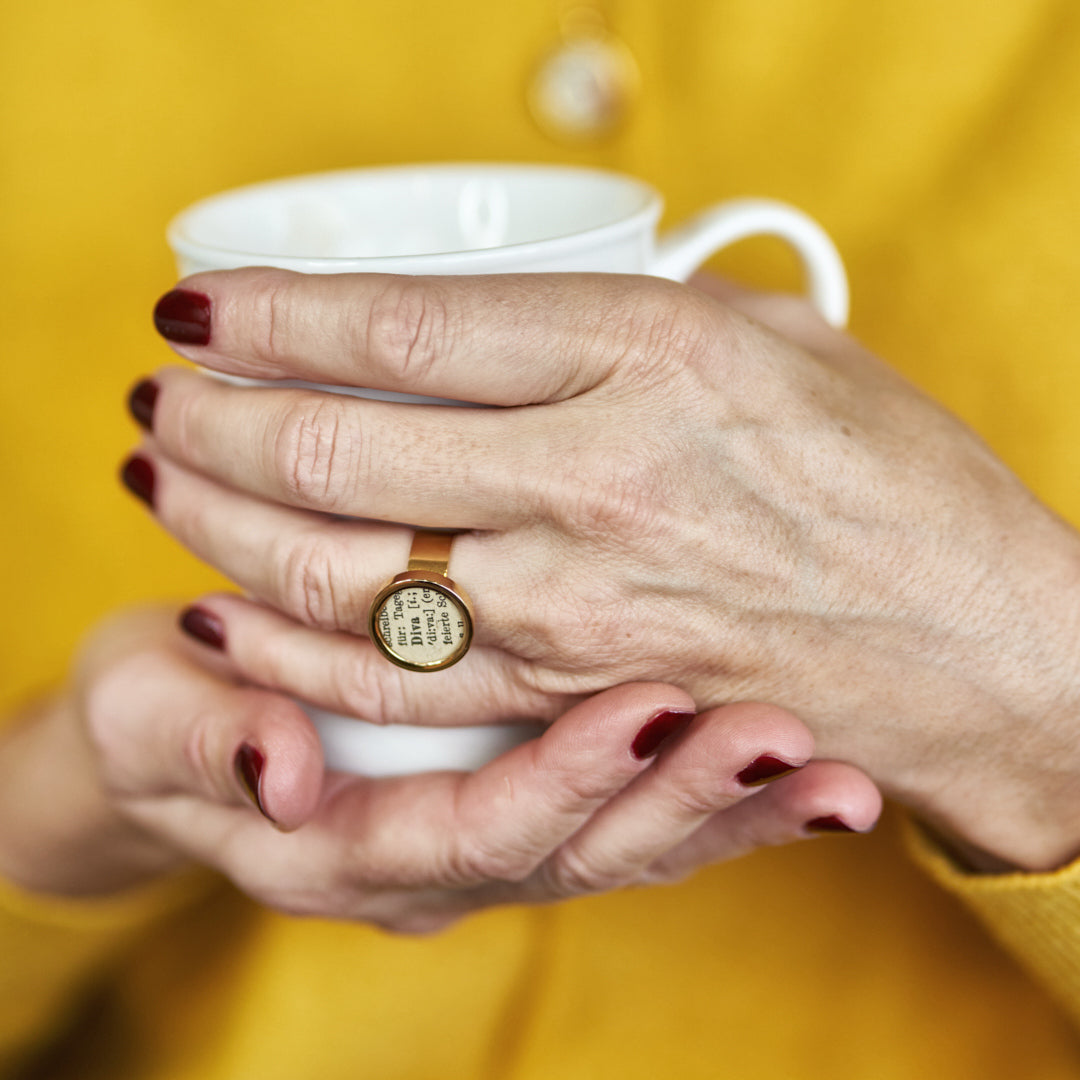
1009, 796
59, 832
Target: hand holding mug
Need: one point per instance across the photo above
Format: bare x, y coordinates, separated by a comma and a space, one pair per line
465, 219
726, 494
158, 756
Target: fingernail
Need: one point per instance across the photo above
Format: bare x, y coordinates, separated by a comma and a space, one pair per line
203, 626
138, 477
763, 769
248, 766
141, 402
184, 317
832, 823
657, 731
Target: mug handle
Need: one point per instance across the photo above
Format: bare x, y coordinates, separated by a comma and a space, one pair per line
682, 250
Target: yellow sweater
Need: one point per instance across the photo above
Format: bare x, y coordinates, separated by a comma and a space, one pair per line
938, 142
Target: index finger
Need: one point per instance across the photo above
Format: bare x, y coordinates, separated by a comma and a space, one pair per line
501, 339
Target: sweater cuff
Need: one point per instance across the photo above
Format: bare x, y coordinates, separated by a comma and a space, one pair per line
1035, 916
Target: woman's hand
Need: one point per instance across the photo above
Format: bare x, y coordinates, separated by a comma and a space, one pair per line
158, 756
741, 502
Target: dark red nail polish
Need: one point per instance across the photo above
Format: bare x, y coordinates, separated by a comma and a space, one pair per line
832, 823
203, 626
657, 731
763, 769
141, 402
248, 766
183, 317
138, 477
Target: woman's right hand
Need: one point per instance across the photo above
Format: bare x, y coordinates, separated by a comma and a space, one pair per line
160, 756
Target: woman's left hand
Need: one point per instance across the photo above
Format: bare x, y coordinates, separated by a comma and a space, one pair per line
716, 491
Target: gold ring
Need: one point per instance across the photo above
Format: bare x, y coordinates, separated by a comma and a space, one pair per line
420, 620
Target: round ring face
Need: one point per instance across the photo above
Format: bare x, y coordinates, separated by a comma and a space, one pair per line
420, 624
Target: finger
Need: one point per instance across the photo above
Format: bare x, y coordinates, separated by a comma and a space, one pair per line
504, 339
317, 569
425, 464
449, 831
515, 810
346, 674
822, 798
701, 802
717, 763
321, 571
164, 727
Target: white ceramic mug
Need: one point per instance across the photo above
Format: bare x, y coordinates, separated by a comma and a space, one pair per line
473, 219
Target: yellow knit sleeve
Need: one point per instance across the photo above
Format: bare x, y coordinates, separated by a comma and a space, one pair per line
1035, 916
53, 951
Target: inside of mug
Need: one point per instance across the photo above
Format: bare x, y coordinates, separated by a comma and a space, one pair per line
424, 210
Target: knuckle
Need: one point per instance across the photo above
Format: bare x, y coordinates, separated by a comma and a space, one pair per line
380, 697
698, 800
313, 585
562, 632
184, 412
269, 302
585, 780
315, 452
353, 689
409, 327
375, 863
674, 333
476, 864
619, 501
569, 873
664, 331
697, 792
608, 493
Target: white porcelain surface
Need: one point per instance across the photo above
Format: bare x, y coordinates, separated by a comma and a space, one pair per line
431, 219
367, 749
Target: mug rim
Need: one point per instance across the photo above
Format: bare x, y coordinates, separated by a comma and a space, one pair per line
647, 212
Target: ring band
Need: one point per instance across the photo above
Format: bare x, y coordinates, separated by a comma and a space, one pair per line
420, 620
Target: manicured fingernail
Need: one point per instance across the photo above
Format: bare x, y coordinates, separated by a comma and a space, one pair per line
248, 767
203, 626
657, 731
184, 317
138, 477
763, 769
832, 823
141, 402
